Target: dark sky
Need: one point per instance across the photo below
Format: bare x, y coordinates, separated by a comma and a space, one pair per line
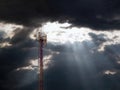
98, 14
77, 65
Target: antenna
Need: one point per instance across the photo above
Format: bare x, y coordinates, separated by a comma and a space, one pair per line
42, 39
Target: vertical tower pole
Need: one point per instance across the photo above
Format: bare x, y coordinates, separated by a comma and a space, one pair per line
41, 64
42, 39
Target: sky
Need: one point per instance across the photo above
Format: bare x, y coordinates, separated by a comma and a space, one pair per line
83, 44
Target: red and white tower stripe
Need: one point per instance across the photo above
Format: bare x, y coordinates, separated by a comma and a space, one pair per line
42, 39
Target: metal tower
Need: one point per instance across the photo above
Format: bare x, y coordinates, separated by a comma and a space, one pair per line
42, 39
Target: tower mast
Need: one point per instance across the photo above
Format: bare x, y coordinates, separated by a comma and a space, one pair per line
42, 39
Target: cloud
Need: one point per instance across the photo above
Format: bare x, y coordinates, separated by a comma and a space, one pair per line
12, 52
99, 15
58, 34
75, 64
20, 35
8, 29
5, 44
80, 69
34, 64
103, 39
108, 72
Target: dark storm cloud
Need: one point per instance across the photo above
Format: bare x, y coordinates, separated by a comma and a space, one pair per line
12, 58
21, 35
15, 56
2, 34
96, 14
21, 11
74, 68
99, 39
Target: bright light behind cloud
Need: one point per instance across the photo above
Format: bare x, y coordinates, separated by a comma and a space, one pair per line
33, 64
46, 62
5, 44
9, 29
110, 72
58, 33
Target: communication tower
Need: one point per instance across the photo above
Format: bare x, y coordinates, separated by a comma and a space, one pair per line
42, 39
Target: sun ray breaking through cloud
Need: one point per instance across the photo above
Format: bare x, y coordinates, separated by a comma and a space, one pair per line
78, 50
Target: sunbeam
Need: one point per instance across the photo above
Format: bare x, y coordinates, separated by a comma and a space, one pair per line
78, 57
